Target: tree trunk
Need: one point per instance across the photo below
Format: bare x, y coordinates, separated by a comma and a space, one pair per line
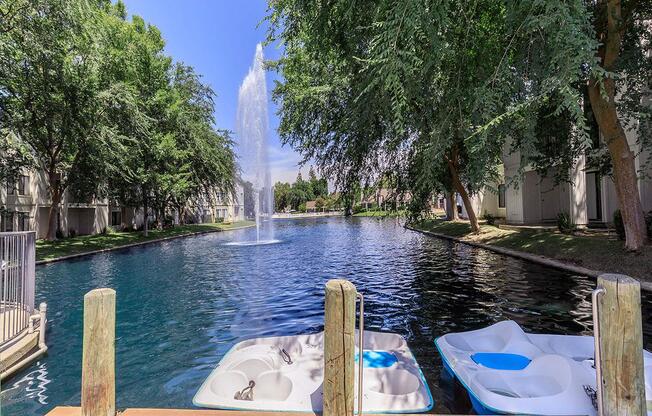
55, 197
451, 207
606, 115
145, 216
459, 187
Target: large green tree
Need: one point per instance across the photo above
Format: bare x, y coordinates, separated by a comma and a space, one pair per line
51, 96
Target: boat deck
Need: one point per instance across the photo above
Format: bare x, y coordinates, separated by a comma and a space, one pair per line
76, 411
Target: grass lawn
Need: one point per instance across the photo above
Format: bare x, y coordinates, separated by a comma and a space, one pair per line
600, 251
47, 250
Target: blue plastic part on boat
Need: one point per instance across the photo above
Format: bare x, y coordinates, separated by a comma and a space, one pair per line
501, 361
377, 359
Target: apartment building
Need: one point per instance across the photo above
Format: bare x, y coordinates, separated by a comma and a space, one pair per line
215, 206
530, 198
25, 206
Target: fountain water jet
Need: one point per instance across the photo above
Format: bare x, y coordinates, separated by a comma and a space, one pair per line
252, 131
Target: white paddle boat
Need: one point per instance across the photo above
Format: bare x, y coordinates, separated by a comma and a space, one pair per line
508, 371
287, 373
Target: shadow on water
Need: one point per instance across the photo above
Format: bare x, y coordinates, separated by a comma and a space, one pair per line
182, 304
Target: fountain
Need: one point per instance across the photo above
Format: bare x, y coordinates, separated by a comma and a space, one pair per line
252, 131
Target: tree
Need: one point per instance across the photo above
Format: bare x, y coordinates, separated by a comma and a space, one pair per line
319, 186
616, 91
282, 191
51, 96
320, 203
14, 156
368, 102
373, 88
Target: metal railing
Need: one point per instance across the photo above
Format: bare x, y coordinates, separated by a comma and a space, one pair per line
17, 284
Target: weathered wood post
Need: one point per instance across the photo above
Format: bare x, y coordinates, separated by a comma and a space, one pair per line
621, 346
98, 357
339, 348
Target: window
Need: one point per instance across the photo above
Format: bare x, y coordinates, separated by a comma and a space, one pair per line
501, 195
23, 185
7, 222
23, 221
116, 218
11, 188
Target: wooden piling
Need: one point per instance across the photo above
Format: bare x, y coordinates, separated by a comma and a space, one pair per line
98, 358
339, 348
621, 346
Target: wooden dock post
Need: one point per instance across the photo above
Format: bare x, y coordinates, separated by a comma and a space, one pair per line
98, 358
339, 348
621, 346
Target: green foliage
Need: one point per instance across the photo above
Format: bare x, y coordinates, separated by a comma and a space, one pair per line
14, 156
490, 219
425, 89
565, 224
300, 192
96, 103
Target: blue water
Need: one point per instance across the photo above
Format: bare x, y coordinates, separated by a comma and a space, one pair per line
182, 304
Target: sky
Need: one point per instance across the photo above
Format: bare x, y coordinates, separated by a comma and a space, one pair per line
218, 38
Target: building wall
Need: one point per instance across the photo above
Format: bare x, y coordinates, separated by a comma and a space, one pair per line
35, 204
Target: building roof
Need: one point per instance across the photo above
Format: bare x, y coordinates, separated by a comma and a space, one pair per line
311, 204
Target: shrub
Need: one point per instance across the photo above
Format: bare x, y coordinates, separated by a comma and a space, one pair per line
357, 208
564, 223
219, 220
491, 220
72, 233
108, 230
648, 222
619, 225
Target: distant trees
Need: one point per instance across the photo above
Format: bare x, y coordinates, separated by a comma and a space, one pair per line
94, 101
295, 196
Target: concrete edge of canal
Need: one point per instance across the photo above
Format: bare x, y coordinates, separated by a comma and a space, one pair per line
535, 258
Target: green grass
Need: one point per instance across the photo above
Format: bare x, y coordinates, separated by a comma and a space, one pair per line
380, 213
598, 252
48, 250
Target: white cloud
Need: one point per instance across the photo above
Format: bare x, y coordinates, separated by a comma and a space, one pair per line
284, 164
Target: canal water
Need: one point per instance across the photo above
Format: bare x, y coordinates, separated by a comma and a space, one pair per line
182, 304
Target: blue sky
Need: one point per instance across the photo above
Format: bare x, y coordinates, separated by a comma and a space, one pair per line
218, 38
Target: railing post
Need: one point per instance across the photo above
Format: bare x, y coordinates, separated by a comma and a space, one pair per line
339, 348
30, 269
42, 310
621, 346
98, 357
